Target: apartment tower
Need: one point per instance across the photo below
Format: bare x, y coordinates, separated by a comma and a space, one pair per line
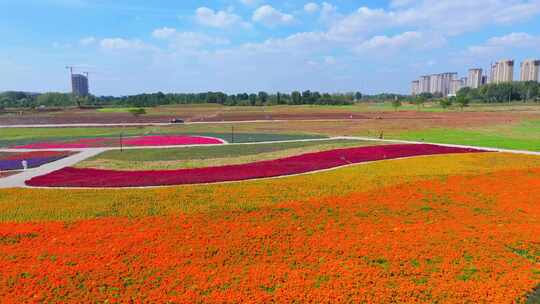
415, 87
502, 71
425, 84
474, 80
530, 69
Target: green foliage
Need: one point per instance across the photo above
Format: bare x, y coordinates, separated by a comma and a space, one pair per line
419, 101
503, 92
396, 103
56, 100
462, 101
137, 111
445, 103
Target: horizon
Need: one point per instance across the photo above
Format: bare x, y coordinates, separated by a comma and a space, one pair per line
234, 46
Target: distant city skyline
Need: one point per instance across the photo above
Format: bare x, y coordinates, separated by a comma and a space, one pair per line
233, 46
501, 71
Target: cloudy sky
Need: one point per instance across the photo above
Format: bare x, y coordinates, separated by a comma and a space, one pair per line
372, 46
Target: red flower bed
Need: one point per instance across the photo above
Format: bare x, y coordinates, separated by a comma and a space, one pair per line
75, 177
172, 140
154, 140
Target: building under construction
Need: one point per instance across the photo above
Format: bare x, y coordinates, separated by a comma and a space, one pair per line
79, 85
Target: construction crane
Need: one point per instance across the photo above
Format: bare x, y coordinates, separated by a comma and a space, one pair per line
70, 68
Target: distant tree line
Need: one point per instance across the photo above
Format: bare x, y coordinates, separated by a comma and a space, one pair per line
29, 100
503, 92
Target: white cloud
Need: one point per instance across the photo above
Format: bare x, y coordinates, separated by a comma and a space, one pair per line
311, 7
124, 44
86, 41
328, 9
208, 17
270, 16
497, 45
187, 40
391, 43
451, 17
514, 40
164, 33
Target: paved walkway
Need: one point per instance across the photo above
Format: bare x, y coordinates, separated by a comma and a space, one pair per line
18, 180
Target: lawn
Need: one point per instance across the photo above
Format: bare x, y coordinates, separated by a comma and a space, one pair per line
195, 157
523, 136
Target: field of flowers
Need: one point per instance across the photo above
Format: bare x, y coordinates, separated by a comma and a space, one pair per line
13, 161
438, 229
83, 177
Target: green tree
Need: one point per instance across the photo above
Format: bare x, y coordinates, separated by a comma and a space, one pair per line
396, 103
419, 101
462, 101
263, 97
445, 103
296, 98
357, 96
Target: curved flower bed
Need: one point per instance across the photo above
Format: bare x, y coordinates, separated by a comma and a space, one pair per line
171, 140
75, 177
13, 161
153, 140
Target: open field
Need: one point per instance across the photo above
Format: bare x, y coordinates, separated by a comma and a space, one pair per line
449, 228
216, 113
502, 130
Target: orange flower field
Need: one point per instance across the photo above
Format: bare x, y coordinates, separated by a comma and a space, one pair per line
440, 238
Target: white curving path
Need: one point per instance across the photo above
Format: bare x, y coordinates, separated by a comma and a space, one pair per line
18, 180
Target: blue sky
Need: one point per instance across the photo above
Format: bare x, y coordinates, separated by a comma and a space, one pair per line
138, 46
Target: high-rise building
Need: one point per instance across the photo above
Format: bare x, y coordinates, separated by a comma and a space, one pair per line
530, 69
447, 79
441, 83
415, 87
79, 85
502, 71
425, 84
485, 80
475, 78
456, 85
435, 83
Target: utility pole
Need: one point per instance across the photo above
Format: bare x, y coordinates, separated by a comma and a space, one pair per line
232, 134
121, 142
